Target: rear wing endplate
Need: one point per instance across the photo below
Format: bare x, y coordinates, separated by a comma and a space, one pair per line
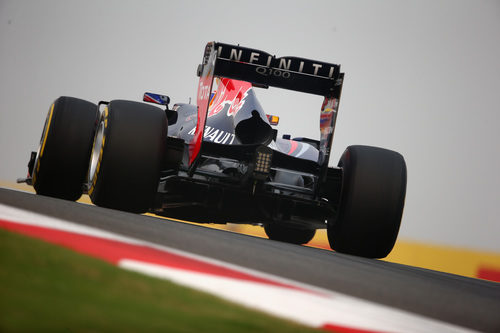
265, 70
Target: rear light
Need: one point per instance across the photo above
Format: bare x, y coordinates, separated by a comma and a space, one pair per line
263, 160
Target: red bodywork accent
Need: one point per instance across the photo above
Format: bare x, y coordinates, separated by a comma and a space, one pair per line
293, 146
203, 99
226, 92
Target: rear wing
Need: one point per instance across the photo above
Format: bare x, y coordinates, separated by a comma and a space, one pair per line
265, 70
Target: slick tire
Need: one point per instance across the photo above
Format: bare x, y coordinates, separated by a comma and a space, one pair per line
288, 234
127, 155
63, 157
371, 203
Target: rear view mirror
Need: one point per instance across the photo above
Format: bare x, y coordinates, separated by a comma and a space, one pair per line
156, 98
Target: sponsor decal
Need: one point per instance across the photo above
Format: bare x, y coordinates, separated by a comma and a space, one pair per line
215, 135
281, 67
203, 90
268, 71
326, 125
327, 112
228, 93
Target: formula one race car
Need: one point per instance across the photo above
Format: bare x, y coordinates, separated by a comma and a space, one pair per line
221, 161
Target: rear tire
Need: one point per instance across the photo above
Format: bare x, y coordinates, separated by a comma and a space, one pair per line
62, 161
127, 156
371, 203
288, 234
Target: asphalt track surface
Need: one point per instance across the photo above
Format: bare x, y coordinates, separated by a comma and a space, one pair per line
451, 298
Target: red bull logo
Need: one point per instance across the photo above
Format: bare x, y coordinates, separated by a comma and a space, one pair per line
228, 94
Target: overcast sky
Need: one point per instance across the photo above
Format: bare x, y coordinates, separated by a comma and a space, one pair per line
422, 78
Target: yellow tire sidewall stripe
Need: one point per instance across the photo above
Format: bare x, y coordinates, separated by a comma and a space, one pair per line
44, 142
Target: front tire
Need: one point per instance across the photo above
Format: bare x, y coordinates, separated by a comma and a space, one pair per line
126, 159
371, 203
62, 160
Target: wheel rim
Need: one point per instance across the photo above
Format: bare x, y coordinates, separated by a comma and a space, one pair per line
96, 151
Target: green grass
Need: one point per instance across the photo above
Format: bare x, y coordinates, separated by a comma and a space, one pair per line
44, 287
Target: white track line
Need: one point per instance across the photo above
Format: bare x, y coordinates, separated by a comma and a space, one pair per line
316, 307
